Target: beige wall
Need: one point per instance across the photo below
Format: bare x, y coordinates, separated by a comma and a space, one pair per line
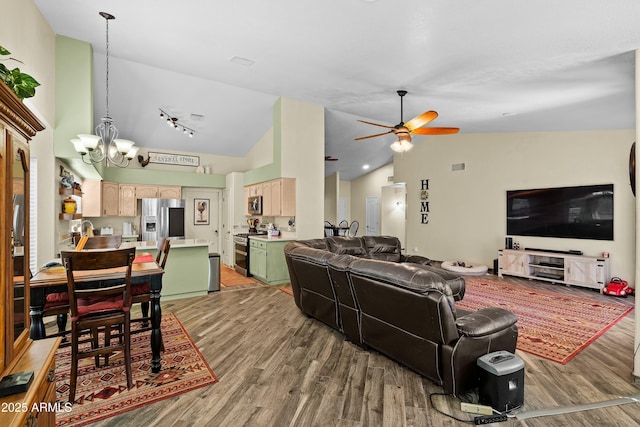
261, 154
331, 194
303, 158
368, 185
344, 190
467, 208
30, 39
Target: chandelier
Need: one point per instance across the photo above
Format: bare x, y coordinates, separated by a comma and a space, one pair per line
105, 146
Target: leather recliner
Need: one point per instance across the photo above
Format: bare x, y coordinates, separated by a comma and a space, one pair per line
399, 305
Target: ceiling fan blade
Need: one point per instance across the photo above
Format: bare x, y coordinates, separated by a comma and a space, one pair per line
376, 124
421, 120
373, 136
435, 131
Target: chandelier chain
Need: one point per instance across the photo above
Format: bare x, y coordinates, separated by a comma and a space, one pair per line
107, 76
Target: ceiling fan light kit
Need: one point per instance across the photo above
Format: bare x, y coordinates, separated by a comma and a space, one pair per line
105, 146
174, 122
414, 126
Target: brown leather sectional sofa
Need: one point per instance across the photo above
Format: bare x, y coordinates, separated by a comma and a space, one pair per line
396, 304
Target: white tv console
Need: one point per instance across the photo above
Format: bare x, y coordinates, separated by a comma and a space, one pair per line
566, 268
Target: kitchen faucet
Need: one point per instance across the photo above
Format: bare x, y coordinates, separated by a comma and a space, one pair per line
89, 229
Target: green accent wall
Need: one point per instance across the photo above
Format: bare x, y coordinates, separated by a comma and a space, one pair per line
74, 94
272, 170
163, 177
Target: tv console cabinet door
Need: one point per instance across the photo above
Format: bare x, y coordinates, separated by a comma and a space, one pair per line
588, 272
514, 263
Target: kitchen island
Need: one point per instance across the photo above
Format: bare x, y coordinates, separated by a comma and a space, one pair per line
187, 269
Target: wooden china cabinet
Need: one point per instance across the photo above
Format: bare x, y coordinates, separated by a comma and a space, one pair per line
18, 352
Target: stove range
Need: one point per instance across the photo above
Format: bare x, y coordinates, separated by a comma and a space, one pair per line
241, 250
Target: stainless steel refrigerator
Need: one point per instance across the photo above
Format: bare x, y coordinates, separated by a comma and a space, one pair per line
162, 218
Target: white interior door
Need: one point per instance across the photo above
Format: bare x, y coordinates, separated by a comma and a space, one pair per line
342, 209
373, 216
211, 231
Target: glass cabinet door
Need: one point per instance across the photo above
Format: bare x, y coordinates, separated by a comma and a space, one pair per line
20, 237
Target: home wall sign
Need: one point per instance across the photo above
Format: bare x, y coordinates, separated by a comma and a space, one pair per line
424, 201
173, 159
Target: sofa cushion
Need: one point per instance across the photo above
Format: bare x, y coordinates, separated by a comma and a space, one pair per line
384, 248
346, 246
314, 243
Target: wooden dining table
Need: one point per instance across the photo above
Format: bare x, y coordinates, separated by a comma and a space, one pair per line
54, 279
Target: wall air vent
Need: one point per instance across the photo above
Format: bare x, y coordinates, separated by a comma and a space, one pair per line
390, 178
458, 167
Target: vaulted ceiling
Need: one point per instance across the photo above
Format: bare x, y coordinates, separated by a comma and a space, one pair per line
484, 66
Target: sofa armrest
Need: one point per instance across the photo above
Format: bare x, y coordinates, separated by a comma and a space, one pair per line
416, 259
485, 321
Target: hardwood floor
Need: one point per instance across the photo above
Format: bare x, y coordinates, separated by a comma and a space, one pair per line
279, 368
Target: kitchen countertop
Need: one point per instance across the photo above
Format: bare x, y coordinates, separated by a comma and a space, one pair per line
272, 238
152, 244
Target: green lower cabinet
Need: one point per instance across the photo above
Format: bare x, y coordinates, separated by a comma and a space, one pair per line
266, 261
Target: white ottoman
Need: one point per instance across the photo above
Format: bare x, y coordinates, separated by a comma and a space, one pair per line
464, 268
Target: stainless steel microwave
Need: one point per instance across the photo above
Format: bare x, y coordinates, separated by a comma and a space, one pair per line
255, 205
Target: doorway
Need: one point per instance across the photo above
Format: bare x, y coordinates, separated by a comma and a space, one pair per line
210, 231
373, 216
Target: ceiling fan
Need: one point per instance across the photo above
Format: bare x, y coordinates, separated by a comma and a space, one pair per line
414, 126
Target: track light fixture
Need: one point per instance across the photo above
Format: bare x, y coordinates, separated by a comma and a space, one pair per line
175, 123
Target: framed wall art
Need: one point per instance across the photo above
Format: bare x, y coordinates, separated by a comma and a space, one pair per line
201, 211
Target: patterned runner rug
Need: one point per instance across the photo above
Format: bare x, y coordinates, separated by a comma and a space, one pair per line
550, 325
102, 392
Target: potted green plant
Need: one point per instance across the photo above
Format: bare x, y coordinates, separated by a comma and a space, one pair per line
22, 84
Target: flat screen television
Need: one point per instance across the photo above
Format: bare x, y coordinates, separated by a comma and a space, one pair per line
584, 212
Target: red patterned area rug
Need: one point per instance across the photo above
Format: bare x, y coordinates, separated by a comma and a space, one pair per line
102, 392
550, 325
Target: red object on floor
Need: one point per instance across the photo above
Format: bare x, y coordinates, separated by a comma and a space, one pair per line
618, 287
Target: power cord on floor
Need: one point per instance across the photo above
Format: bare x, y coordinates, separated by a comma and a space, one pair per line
444, 413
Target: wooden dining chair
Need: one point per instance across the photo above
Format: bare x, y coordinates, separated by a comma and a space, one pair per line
103, 242
58, 303
98, 309
141, 292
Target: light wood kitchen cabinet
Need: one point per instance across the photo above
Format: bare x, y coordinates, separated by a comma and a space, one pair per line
127, 201
100, 198
167, 192
158, 191
278, 196
269, 207
146, 191
110, 198
288, 197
